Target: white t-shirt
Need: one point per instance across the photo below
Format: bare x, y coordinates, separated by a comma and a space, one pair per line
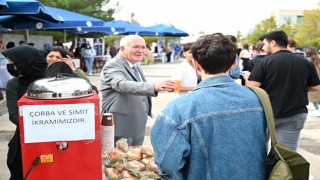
245, 54
186, 74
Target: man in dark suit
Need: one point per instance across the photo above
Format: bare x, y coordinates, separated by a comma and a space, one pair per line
126, 93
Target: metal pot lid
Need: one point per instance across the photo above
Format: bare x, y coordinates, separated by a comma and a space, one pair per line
59, 87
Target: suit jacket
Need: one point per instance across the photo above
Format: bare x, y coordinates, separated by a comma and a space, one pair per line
127, 98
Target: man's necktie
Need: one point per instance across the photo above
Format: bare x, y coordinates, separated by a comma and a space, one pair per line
136, 72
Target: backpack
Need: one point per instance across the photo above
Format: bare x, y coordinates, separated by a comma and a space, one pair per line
282, 163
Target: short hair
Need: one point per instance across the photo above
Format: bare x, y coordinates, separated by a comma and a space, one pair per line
125, 40
21, 42
232, 38
215, 53
10, 44
292, 43
280, 37
187, 47
59, 49
259, 47
245, 46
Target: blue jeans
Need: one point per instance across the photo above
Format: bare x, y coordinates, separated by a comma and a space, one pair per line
89, 63
288, 129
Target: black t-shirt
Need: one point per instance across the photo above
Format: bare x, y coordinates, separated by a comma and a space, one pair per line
286, 78
250, 64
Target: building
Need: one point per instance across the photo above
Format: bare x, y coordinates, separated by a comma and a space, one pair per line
293, 16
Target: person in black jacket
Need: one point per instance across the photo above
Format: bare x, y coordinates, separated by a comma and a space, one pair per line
26, 64
260, 54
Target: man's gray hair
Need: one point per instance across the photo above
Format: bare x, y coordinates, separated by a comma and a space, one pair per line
125, 40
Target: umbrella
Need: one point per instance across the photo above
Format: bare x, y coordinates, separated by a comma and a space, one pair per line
71, 20
3, 4
130, 28
5, 30
32, 8
105, 29
164, 30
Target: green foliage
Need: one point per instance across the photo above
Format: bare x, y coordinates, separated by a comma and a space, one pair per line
308, 32
239, 36
91, 8
133, 19
201, 33
150, 39
289, 28
305, 34
88, 7
263, 27
109, 39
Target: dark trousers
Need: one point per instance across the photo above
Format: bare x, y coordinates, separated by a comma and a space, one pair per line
169, 56
244, 64
16, 167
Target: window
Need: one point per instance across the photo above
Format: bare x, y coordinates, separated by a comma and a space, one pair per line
299, 19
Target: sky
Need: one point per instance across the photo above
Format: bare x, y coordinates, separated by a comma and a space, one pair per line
208, 16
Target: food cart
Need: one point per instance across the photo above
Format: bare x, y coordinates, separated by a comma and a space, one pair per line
60, 130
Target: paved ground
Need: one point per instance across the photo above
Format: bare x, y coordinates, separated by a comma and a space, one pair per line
309, 145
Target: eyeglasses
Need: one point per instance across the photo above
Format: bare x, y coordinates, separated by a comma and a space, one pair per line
137, 47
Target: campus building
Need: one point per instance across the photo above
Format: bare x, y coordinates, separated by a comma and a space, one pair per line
294, 16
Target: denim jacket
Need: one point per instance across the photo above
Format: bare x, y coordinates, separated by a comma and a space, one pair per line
215, 132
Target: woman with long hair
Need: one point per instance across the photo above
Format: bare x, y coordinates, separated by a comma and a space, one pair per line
313, 56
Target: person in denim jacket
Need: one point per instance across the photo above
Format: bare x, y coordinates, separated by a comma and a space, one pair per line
218, 130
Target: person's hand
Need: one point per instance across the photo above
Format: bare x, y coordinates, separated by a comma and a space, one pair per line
167, 85
245, 75
70, 63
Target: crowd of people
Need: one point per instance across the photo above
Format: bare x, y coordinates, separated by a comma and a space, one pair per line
215, 118
196, 129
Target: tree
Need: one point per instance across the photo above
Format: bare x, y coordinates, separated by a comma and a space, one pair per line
133, 19
92, 8
239, 36
101, 9
308, 32
289, 28
263, 27
305, 34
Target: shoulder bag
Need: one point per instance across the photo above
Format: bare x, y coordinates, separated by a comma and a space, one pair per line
282, 163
